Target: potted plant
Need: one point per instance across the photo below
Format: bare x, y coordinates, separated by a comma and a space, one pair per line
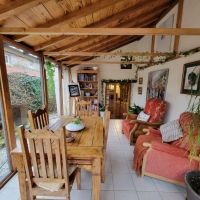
192, 178
102, 110
135, 109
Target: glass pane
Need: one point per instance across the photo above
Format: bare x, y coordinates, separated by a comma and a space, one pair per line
24, 78
53, 90
4, 158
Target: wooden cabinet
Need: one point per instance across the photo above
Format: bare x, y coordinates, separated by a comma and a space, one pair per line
88, 81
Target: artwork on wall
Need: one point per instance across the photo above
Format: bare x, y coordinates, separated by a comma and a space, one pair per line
140, 90
140, 80
164, 42
191, 78
126, 59
157, 84
74, 90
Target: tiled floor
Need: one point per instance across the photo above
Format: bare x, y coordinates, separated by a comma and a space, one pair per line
121, 181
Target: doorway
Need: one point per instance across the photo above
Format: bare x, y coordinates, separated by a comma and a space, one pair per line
117, 98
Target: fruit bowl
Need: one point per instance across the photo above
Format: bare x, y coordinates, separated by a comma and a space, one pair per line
75, 125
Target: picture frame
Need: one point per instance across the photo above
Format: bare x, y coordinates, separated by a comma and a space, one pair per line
126, 59
191, 78
140, 80
74, 90
157, 84
140, 90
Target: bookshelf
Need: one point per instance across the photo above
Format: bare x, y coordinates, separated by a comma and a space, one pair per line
88, 81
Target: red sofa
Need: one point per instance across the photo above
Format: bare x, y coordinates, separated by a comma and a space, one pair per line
165, 161
132, 128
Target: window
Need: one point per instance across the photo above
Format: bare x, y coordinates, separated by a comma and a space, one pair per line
7, 58
25, 84
53, 90
4, 154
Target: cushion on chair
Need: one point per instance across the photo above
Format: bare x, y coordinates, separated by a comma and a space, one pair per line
53, 186
171, 131
143, 116
157, 109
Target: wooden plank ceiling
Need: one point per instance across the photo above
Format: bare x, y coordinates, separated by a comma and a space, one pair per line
78, 14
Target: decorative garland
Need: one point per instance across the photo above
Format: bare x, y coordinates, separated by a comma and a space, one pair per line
171, 56
119, 81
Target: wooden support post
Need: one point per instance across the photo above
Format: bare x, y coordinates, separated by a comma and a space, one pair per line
70, 99
6, 103
152, 46
178, 24
60, 76
44, 82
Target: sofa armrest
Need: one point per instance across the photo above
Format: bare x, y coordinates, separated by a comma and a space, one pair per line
154, 131
147, 123
167, 148
130, 116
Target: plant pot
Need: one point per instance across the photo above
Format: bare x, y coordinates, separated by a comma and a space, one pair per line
192, 180
102, 113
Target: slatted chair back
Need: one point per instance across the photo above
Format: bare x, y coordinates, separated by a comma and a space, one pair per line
39, 119
83, 108
45, 160
106, 127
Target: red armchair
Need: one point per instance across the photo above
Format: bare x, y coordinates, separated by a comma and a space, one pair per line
132, 127
165, 161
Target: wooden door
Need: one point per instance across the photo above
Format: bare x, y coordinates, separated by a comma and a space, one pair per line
117, 98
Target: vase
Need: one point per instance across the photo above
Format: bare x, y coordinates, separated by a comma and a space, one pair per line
192, 181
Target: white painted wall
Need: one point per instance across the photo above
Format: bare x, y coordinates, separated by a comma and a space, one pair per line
178, 102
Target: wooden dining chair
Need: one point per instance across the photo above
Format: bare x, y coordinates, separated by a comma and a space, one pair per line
105, 130
83, 108
46, 166
39, 119
106, 127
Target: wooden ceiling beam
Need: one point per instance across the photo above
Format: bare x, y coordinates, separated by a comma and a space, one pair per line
114, 46
101, 62
95, 45
15, 7
104, 42
100, 31
103, 46
107, 21
83, 53
69, 17
144, 23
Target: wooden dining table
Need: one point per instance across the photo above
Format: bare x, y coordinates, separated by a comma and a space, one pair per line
86, 151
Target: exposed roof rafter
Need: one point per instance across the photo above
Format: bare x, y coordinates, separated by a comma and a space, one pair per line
100, 31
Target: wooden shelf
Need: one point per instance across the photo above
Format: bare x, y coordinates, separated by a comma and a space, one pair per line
88, 81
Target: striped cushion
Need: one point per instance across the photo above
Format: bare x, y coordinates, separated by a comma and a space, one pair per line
171, 131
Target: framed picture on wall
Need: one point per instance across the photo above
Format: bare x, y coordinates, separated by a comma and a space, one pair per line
126, 59
191, 78
140, 90
157, 84
140, 80
164, 42
74, 90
